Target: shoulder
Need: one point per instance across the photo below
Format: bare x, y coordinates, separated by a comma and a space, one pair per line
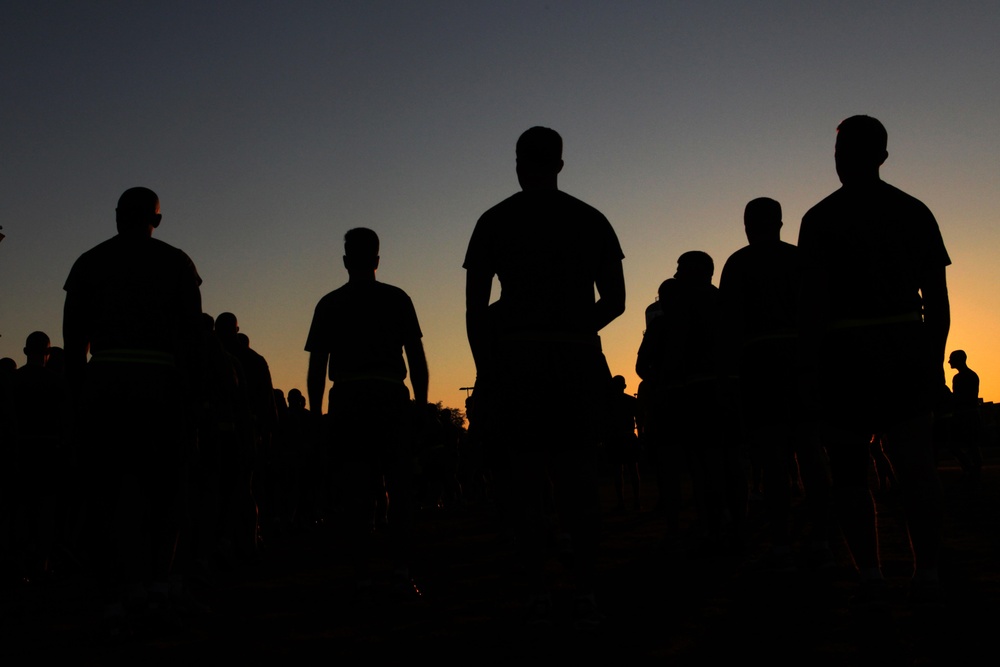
583, 207
331, 299
185, 269
391, 292
891, 191
367, 292
501, 210
825, 206
176, 257
737, 258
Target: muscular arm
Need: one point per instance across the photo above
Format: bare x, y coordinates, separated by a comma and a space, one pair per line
610, 304
419, 377
316, 381
478, 285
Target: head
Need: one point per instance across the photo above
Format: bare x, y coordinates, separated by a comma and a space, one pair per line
296, 399
762, 220
226, 325
618, 383
860, 149
695, 266
361, 248
138, 212
957, 359
539, 158
36, 348
56, 360
667, 288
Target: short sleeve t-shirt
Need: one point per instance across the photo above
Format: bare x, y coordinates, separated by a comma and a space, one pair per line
759, 287
546, 248
137, 293
363, 327
875, 243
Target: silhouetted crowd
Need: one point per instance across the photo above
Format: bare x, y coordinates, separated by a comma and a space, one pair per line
153, 450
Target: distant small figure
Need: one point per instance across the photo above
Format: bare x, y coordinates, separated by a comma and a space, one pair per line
966, 430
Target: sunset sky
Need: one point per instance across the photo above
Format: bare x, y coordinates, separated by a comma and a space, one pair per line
269, 129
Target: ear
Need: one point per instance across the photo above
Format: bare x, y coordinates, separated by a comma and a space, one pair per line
345, 263
560, 168
377, 258
155, 222
885, 155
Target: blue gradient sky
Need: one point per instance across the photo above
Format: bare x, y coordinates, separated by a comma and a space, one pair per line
270, 129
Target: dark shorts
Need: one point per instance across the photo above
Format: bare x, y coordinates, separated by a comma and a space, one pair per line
135, 418
769, 388
369, 421
623, 449
545, 396
687, 415
966, 427
875, 377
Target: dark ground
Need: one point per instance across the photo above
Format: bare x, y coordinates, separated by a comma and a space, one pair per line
685, 608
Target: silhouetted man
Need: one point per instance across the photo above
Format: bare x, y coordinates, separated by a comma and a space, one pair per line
759, 287
874, 319
358, 335
41, 457
258, 389
133, 303
679, 361
549, 251
966, 422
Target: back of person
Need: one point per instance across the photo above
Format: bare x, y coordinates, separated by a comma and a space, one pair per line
546, 248
874, 318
